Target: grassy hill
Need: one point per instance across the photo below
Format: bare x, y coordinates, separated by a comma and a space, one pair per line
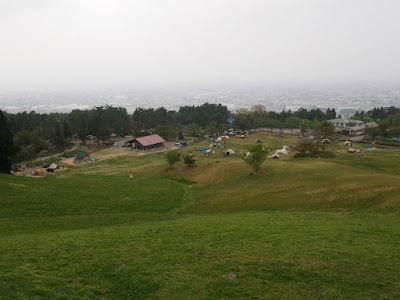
302, 228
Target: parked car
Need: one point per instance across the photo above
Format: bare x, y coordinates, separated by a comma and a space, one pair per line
45, 165
178, 145
183, 144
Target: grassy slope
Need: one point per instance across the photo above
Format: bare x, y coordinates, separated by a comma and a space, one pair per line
306, 228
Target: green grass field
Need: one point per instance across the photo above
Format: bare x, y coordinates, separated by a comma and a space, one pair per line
303, 228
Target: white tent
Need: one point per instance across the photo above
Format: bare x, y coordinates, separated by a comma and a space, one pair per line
230, 152
347, 143
281, 151
52, 166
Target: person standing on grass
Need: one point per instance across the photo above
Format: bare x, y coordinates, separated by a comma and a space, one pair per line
131, 177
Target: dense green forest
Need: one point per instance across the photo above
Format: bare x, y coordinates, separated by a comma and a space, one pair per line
33, 132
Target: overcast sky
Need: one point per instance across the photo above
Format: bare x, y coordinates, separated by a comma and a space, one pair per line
78, 43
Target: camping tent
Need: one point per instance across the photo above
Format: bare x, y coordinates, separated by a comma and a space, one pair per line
52, 166
209, 152
229, 152
347, 143
281, 151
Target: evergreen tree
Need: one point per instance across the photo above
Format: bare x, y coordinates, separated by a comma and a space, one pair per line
193, 130
104, 134
167, 132
58, 139
82, 128
7, 147
67, 129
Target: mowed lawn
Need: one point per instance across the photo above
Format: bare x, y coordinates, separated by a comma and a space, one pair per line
302, 228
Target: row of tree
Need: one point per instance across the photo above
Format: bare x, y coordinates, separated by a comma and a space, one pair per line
214, 117
388, 119
33, 132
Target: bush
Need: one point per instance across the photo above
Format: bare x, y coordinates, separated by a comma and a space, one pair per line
321, 154
326, 154
189, 160
304, 146
297, 155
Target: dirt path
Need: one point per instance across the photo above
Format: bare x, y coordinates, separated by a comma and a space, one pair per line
113, 152
76, 146
104, 154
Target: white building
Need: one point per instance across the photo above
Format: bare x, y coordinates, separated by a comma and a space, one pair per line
351, 127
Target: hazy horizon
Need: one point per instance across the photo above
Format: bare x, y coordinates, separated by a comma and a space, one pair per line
90, 44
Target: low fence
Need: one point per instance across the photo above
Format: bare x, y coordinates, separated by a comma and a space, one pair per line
294, 131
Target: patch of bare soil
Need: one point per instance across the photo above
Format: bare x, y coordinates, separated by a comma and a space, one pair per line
40, 172
120, 151
68, 161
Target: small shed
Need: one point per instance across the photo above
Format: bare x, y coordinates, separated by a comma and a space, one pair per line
149, 142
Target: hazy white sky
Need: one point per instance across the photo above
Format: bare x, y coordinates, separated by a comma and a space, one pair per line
67, 43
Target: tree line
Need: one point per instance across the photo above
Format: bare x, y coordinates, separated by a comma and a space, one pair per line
388, 119
32, 132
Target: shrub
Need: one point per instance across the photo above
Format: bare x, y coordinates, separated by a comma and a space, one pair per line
189, 160
326, 154
297, 155
304, 146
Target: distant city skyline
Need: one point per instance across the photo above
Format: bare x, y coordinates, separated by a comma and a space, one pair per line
348, 98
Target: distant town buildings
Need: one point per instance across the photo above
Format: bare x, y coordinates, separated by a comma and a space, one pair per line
351, 127
346, 100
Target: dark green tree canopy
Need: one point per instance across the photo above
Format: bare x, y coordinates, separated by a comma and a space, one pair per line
7, 148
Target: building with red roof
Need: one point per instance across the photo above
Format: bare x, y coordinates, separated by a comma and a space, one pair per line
149, 142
